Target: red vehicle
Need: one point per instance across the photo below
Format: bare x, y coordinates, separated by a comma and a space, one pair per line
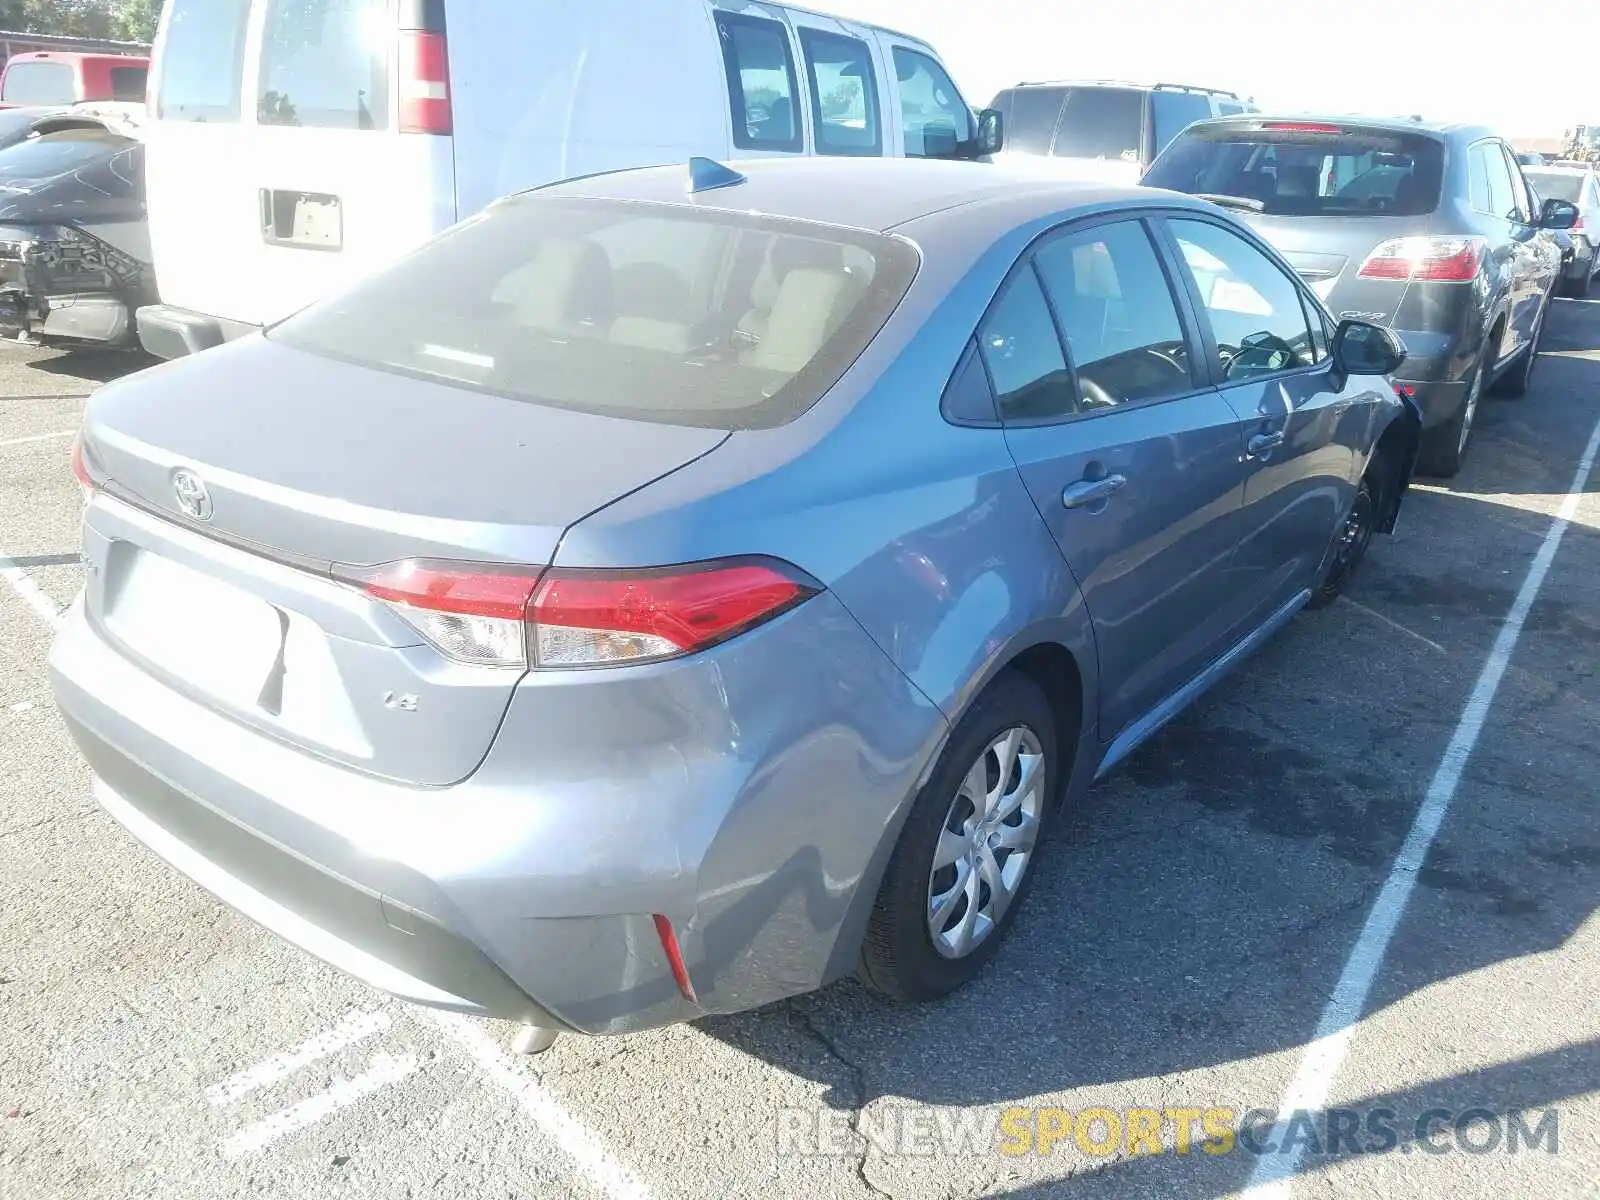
47, 77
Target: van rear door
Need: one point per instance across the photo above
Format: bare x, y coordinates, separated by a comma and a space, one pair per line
297, 145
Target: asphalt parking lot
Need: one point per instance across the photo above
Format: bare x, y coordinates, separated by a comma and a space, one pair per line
1191, 924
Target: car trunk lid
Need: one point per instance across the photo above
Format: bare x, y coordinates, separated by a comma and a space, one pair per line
239, 483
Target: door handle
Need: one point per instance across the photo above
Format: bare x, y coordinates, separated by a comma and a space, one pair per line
1092, 491
1264, 444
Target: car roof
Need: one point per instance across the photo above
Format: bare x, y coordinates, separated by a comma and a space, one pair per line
1443, 129
1124, 83
877, 194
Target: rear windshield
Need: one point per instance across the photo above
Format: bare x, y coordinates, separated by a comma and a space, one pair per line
1557, 185
39, 83
41, 159
1349, 172
128, 83
326, 63
645, 311
1101, 122
202, 60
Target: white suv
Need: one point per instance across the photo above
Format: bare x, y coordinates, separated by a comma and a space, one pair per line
1102, 130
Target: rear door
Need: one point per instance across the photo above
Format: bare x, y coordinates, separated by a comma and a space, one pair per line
278, 171
1133, 463
1268, 351
765, 93
1031, 116
1103, 134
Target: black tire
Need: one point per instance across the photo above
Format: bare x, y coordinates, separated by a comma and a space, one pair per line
1444, 447
1579, 288
1515, 382
1350, 544
898, 957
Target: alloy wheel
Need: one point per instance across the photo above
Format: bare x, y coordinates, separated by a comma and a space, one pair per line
1474, 393
987, 842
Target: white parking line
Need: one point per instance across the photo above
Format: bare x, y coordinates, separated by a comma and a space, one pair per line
1308, 1090
383, 1070
598, 1165
345, 1032
30, 591
39, 437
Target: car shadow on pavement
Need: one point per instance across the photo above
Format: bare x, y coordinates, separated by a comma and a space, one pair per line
1198, 907
94, 366
1507, 1101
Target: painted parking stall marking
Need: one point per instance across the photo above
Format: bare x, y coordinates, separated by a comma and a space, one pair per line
346, 1032
1330, 1045
28, 590
383, 1070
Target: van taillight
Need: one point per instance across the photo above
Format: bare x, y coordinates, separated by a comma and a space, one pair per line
424, 82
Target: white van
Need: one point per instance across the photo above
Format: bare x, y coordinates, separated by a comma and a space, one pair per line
299, 144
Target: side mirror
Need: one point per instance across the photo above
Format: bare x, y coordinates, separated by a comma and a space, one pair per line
991, 132
1361, 348
1558, 214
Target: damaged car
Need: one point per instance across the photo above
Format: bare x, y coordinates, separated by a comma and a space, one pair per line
74, 241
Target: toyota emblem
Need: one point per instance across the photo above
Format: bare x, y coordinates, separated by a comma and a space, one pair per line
193, 498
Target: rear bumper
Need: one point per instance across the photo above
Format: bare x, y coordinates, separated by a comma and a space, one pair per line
529, 891
169, 332
1436, 369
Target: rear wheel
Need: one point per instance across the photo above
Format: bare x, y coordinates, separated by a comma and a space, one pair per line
1445, 446
965, 857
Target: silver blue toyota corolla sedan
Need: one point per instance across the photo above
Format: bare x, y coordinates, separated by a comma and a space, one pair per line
670, 591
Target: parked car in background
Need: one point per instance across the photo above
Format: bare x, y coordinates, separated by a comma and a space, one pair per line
1104, 131
1578, 185
562, 645
74, 243
354, 146
65, 77
1425, 228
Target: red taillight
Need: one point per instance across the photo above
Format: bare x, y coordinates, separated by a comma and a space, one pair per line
1301, 127
465, 591
1577, 226
424, 82
590, 618
80, 468
517, 617
669, 943
1426, 259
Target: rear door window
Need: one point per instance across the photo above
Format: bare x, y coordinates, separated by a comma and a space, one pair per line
935, 118
1101, 122
202, 60
1022, 352
39, 83
1337, 171
650, 312
1501, 201
325, 63
762, 89
1117, 312
1173, 112
844, 94
1521, 210
1031, 116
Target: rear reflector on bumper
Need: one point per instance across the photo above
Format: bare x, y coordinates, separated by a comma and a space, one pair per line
521, 617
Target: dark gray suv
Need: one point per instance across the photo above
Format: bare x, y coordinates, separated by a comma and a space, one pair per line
1429, 229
